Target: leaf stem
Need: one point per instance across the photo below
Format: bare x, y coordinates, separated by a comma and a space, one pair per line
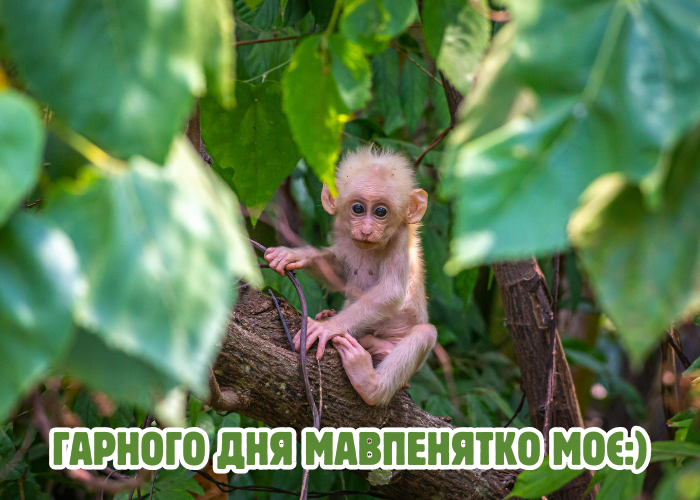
334, 18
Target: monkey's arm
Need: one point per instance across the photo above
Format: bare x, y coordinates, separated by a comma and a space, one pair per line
319, 261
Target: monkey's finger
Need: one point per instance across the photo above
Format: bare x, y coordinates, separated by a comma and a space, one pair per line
322, 340
297, 340
270, 253
299, 264
341, 342
310, 339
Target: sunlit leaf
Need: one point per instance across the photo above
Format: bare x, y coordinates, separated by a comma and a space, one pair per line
159, 247
21, 142
38, 283
612, 82
124, 74
314, 108
239, 142
456, 36
351, 72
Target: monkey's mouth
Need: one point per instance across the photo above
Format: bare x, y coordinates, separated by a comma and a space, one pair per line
364, 244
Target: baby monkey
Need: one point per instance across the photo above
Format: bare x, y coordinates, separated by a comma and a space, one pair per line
382, 333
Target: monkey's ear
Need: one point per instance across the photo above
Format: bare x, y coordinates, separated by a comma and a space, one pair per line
327, 200
417, 206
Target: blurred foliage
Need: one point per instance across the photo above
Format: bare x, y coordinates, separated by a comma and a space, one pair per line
580, 135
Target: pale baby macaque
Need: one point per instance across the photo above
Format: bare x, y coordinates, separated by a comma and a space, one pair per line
382, 333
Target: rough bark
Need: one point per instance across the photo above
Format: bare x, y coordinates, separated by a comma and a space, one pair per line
257, 363
524, 294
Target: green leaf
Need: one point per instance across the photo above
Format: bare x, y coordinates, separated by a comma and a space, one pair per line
618, 484
21, 144
669, 450
314, 108
123, 74
322, 11
644, 264
413, 93
373, 23
351, 72
10, 470
294, 11
457, 37
107, 369
385, 79
239, 143
86, 410
159, 247
612, 97
171, 485
39, 280
465, 40
542, 481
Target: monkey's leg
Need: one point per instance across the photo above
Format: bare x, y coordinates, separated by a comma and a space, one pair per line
378, 386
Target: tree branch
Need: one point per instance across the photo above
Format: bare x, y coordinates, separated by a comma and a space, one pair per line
256, 360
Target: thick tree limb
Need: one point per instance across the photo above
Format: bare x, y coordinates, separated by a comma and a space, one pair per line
524, 294
257, 364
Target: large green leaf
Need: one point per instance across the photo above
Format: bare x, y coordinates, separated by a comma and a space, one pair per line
614, 88
110, 370
38, 284
251, 145
413, 93
124, 74
644, 264
159, 247
21, 142
314, 107
542, 481
456, 36
618, 484
385, 77
351, 71
373, 23
11, 466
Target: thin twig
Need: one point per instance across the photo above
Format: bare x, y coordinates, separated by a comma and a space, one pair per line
549, 404
408, 56
266, 40
679, 351
302, 357
520, 407
284, 323
32, 204
435, 142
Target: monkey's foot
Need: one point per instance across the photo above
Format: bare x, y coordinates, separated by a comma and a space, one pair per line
328, 313
358, 365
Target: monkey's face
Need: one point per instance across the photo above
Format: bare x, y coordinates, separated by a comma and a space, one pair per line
371, 220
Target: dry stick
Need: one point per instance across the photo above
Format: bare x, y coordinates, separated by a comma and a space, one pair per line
266, 40
549, 404
435, 142
679, 351
302, 356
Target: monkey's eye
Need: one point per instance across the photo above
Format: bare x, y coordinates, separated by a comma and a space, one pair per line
380, 212
358, 209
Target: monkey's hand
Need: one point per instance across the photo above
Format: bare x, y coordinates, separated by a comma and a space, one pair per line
323, 331
282, 259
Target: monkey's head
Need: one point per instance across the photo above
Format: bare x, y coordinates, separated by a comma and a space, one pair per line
377, 195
